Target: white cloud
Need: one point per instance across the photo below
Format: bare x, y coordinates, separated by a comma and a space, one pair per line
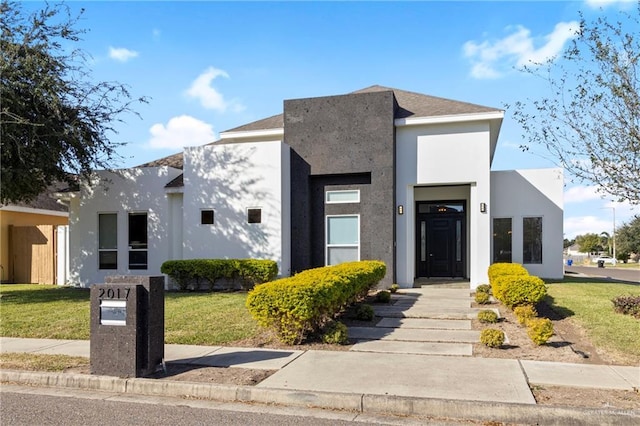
581, 225
179, 132
491, 59
595, 4
579, 194
208, 95
122, 54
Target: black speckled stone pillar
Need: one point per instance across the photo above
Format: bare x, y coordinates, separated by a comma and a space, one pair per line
135, 346
342, 142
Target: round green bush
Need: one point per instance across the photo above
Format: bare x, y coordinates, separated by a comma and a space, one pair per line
336, 334
523, 290
492, 337
524, 313
482, 298
540, 330
483, 288
394, 288
383, 296
487, 316
365, 312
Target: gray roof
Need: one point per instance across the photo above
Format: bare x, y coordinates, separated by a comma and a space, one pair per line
410, 104
45, 200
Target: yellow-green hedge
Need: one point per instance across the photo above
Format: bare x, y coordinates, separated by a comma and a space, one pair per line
512, 285
503, 269
300, 304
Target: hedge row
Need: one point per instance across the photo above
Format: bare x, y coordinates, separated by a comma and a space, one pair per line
297, 305
512, 285
193, 271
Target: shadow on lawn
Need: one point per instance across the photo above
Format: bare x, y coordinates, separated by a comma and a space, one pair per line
43, 294
547, 308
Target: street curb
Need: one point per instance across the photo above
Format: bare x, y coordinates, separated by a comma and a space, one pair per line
362, 403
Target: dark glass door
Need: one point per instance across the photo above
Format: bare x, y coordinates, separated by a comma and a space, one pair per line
440, 242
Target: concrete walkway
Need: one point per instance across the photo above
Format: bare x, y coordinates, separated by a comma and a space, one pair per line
418, 355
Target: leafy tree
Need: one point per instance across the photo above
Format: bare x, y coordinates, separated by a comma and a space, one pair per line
628, 239
589, 243
605, 241
54, 121
590, 122
568, 243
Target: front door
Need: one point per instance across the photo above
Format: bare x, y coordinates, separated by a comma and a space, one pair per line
440, 242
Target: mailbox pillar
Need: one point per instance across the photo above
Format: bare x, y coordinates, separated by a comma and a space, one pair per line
127, 326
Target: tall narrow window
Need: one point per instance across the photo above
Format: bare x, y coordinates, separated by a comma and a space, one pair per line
502, 233
532, 240
343, 239
108, 241
138, 243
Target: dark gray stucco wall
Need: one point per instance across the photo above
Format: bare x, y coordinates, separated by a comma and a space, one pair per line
342, 142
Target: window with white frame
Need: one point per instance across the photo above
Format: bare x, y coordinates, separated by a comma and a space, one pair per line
107, 241
342, 196
343, 239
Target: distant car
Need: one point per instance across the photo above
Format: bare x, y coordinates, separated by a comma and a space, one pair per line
606, 259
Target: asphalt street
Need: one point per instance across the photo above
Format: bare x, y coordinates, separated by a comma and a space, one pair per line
24, 405
620, 274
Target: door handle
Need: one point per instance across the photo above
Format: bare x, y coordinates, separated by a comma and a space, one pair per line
430, 254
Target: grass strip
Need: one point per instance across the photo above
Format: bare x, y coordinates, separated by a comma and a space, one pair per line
40, 362
588, 302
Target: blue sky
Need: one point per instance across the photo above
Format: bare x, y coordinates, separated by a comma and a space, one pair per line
210, 66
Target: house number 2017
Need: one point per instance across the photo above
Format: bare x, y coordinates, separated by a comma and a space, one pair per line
114, 293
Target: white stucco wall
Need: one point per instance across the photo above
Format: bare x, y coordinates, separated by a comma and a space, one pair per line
433, 157
517, 194
123, 192
231, 178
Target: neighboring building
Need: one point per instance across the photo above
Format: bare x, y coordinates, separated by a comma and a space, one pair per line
34, 241
375, 174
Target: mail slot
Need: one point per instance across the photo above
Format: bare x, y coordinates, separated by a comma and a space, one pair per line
113, 312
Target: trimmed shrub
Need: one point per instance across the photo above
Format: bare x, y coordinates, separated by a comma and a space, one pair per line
518, 290
483, 288
193, 271
500, 270
482, 298
303, 303
336, 334
524, 313
364, 312
628, 305
487, 316
383, 296
492, 337
394, 288
539, 330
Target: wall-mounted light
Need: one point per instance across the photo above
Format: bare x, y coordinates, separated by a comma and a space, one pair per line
483, 207
400, 209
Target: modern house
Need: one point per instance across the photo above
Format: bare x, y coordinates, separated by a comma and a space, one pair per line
379, 173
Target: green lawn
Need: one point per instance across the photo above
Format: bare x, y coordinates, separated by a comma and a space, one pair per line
42, 311
587, 301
